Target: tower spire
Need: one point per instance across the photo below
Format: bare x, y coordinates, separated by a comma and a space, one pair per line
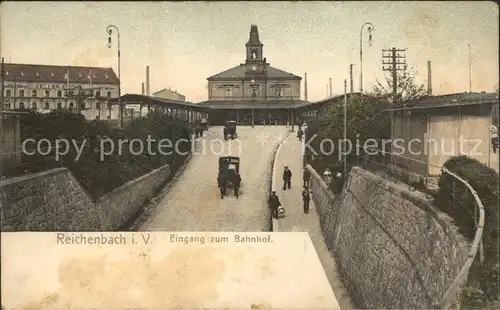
254, 47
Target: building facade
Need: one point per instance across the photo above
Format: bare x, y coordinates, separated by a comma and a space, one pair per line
435, 129
169, 94
253, 92
45, 88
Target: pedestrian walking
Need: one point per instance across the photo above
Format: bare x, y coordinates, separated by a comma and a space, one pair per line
274, 203
306, 197
306, 175
494, 138
287, 178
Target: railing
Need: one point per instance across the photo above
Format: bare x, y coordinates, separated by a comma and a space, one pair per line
386, 159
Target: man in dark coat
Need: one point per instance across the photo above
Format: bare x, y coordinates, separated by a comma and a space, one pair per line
306, 175
274, 203
287, 178
306, 197
221, 180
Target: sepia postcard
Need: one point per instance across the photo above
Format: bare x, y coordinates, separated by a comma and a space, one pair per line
293, 155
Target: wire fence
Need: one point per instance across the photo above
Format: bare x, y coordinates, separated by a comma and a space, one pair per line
414, 173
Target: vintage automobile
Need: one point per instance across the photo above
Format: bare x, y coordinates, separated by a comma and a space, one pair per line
197, 129
204, 123
229, 171
230, 130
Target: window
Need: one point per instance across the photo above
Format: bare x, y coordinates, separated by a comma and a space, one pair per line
228, 92
82, 106
33, 93
6, 105
21, 93
21, 105
98, 93
46, 106
59, 105
8, 93
71, 106
47, 93
98, 105
59, 93
109, 94
279, 92
254, 54
34, 105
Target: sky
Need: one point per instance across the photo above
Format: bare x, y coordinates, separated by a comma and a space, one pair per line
186, 42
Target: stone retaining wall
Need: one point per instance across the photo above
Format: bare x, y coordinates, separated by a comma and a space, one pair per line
55, 201
393, 248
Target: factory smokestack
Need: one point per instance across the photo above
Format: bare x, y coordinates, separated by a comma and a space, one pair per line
143, 91
147, 80
429, 78
330, 87
305, 86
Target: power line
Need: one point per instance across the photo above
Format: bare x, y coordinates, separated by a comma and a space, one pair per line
396, 63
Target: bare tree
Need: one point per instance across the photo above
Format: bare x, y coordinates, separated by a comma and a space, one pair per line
407, 89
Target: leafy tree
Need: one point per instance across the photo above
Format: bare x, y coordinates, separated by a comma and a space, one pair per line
408, 89
365, 120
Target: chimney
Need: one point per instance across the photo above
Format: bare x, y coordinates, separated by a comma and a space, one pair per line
429, 78
305, 86
330, 87
147, 80
143, 89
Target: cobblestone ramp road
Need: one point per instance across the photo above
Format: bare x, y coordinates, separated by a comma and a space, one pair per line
193, 202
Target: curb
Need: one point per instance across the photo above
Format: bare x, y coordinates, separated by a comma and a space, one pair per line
275, 227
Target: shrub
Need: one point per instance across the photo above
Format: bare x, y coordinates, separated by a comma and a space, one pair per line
456, 200
96, 176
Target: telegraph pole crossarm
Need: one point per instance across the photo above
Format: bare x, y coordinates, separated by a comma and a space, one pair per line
394, 65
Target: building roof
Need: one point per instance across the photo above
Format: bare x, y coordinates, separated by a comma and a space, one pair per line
248, 104
145, 100
330, 100
169, 90
56, 74
238, 73
449, 100
253, 39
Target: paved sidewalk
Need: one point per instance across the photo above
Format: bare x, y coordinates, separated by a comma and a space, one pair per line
290, 154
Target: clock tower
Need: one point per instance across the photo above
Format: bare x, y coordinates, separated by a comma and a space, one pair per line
255, 63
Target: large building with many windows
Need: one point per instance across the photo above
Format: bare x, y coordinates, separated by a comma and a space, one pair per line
45, 87
253, 92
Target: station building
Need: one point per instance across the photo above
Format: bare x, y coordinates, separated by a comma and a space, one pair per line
43, 88
253, 92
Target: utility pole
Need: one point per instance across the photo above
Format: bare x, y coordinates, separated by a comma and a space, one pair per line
394, 65
470, 72
350, 77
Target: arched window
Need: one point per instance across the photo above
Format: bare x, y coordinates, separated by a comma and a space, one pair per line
8, 93
71, 106
46, 106
98, 105
33, 93
34, 105
59, 105
21, 105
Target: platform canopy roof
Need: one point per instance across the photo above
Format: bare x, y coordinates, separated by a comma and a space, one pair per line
155, 101
449, 100
270, 104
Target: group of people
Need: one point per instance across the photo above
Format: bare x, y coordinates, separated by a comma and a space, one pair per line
231, 176
274, 201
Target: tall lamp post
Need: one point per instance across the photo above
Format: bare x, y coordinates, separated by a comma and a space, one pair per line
109, 30
370, 29
254, 95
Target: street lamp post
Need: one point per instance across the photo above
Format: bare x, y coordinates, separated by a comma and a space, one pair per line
370, 29
109, 31
254, 94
